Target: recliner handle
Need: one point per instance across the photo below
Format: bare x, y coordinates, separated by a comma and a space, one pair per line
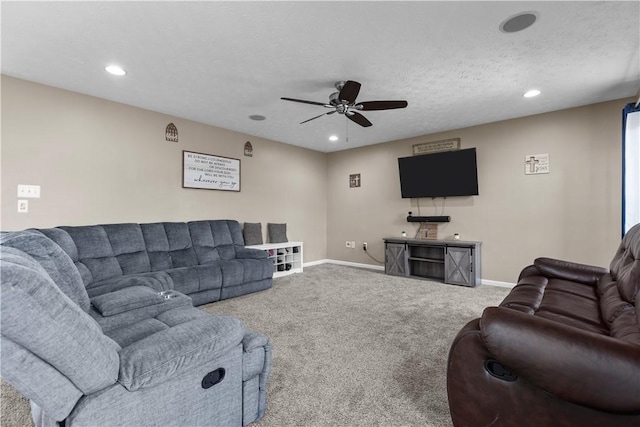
213, 378
496, 369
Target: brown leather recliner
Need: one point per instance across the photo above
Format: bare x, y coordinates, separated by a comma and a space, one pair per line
562, 349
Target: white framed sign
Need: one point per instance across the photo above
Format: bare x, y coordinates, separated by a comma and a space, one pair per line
208, 172
436, 146
535, 164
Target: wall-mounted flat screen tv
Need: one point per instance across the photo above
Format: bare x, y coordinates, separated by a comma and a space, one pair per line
444, 174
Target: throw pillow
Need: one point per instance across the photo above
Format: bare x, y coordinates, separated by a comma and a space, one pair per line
277, 233
252, 233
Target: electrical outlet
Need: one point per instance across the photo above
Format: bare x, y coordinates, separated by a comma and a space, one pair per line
348, 244
353, 244
23, 206
364, 246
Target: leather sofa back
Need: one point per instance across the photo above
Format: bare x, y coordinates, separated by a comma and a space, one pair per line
618, 290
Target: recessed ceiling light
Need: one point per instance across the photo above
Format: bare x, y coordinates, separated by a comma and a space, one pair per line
257, 117
115, 70
531, 93
518, 22
333, 138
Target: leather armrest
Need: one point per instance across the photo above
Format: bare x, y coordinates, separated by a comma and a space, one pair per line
582, 273
250, 253
578, 366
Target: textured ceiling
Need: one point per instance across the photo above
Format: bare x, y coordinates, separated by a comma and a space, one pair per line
220, 62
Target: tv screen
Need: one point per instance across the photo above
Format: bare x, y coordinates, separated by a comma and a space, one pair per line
445, 174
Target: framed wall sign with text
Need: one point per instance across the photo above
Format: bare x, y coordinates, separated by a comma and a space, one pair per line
209, 172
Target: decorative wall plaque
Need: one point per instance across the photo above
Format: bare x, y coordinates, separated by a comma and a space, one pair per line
436, 146
354, 180
210, 172
171, 133
248, 149
536, 164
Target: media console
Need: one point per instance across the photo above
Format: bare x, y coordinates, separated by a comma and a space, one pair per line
452, 261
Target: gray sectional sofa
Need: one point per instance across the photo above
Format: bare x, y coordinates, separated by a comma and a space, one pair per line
98, 324
206, 260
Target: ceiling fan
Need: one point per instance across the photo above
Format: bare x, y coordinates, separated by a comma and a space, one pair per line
344, 102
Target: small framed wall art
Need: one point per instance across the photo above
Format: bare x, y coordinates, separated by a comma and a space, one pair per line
209, 172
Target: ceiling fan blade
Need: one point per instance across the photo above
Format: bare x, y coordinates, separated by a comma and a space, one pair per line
380, 105
305, 102
359, 119
349, 91
318, 116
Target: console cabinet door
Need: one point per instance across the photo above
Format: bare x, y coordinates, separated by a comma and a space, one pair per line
458, 266
395, 260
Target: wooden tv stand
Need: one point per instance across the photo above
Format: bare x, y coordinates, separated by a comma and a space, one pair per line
452, 261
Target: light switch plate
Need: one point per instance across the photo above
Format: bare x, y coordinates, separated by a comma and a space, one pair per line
29, 191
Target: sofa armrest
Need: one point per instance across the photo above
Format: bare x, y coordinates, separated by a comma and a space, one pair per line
250, 253
582, 273
126, 299
174, 351
573, 364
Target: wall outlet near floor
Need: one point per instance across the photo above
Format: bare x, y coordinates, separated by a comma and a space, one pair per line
348, 244
364, 246
353, 244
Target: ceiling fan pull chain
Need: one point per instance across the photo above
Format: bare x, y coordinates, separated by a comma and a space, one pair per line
347, 122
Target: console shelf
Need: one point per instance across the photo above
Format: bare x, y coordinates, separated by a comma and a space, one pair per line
451, 261
286, 257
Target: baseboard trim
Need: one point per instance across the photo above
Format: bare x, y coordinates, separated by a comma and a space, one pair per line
497, 283
347, 263
381, 268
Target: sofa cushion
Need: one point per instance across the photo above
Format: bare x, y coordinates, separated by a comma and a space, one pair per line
94, 251
64, 240
625, 266
53, 260
127, 244
190, 340
196, 279
126, 299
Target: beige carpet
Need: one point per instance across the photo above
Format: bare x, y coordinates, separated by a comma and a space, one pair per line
351, 347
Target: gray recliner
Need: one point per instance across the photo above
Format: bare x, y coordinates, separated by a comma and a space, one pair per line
168, 364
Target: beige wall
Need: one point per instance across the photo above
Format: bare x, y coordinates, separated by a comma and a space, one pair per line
102, 162
571, 213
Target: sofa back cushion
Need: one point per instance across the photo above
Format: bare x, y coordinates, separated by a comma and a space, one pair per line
216, 239
64, 240
128, 247
169, 245
95, 251
625, 266
618, 290
53, 261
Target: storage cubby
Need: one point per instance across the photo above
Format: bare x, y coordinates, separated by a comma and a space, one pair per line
286, 257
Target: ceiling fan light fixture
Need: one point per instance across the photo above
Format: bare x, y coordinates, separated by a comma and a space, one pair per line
116, 70
531, 93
